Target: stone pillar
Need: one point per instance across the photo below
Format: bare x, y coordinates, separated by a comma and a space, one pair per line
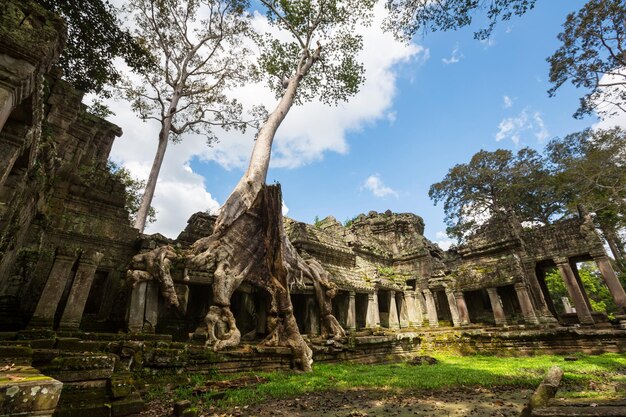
137, 310
462, 307
575, 292
394, 321
312, 325
151, 315
431, 308
419, 307
612, 282
525, 303
454, 310
402, 301
542, 311
371, 318
412, 309
53, 290
496, 306
351, 314
73, 313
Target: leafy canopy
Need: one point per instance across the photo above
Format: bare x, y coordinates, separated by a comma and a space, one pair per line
494, 182
95, 38
590, 169
592, 56
198, 48
410, 17
321, 29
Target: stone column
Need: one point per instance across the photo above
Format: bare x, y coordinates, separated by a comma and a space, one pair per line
431, 308
151, 315
542, 311
525, 303
351, 316
53, 290
412, 309
312, 325
394, 321
402, 302
496, 306
137, 310
575, 292
462, 307
419, 307
73, 313
454, 310
612, 282
371, 318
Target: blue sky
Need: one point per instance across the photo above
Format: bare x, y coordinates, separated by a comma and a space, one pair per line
444, 99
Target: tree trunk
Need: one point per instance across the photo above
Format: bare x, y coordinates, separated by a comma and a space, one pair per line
249, 244
164, 135
148, 194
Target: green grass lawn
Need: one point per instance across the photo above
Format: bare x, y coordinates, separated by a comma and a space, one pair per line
451, 371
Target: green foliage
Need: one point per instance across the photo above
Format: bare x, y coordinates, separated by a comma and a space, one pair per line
410, 17
592, 56
319, 48
93, 175
598, 293
95, 37
134, 188
494, 182
349, 221
317, 222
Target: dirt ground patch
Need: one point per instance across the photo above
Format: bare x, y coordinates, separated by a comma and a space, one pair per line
474, 402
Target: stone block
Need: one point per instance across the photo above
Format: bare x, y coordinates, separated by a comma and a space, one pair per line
127, 407
26, 392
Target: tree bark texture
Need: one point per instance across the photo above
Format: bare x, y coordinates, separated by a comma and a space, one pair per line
252, 249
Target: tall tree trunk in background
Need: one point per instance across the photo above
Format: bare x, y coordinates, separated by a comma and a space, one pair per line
148, 195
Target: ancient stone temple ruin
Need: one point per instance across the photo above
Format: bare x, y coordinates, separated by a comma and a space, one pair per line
81, 332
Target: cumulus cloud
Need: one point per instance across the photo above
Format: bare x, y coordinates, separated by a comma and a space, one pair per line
442, 239
308, 132
374, 184
526, 122
507, 102
454, 58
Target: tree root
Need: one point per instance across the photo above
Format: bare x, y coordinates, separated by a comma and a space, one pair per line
250, 245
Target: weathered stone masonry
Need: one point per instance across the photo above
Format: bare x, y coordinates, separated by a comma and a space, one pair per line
69, 316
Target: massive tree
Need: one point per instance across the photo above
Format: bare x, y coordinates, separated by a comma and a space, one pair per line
310, 54
590, 169
495, 182
95, 38
592, 56
198, 45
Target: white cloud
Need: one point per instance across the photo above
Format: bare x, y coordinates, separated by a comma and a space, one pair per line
489, 42
526, 122
508, 102
374, 184
610, 115
442, 239
454, 58
307, 133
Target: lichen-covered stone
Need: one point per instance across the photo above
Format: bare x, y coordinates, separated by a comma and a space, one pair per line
24, 391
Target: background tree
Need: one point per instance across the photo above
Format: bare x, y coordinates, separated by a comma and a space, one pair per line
592, 56
590, 169
495, 182
200, 55
95, 38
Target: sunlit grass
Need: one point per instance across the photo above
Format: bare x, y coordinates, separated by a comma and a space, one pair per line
451, 371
